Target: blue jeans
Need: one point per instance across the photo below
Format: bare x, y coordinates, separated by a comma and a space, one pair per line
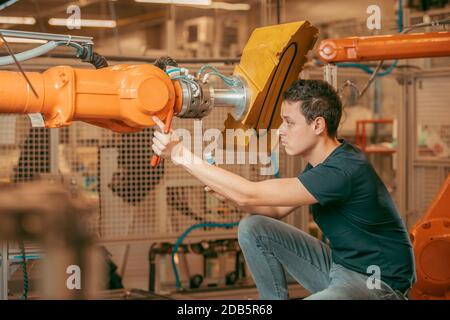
271, 246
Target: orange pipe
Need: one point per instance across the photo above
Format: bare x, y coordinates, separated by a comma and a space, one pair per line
121, 98
15, 94
403, 46
440, 207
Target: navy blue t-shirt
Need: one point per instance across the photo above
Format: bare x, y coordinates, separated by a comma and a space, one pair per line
358, 216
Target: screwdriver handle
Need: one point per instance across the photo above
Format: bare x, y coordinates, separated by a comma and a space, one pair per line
157, 159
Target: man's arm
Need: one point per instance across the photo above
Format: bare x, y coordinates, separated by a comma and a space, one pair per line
273, 212
287, 192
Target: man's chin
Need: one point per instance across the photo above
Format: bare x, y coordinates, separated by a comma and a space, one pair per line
291, 152
287, 151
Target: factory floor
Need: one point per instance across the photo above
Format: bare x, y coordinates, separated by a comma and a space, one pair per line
230, 293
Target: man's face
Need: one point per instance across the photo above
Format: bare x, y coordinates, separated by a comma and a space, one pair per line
296, 135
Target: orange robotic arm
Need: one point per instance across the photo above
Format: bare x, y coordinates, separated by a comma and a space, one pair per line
124, 97
402, 46
431, 240
121, 98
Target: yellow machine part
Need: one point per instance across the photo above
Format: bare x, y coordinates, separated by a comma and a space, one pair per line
271, 61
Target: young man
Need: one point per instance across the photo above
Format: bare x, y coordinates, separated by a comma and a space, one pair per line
369, 255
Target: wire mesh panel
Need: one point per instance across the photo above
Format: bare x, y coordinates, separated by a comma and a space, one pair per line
135, 200
427, 183
431, 162
433, 120
24, 151
24, 155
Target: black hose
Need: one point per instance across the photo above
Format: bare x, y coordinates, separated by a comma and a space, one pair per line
24, 270
98, 61
164, 62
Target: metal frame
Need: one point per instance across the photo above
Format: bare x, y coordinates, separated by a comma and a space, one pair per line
4, 245
4, 271
46, 36
330, 75
412, 159
402, 145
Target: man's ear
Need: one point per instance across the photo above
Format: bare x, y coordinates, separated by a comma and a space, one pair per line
319, 125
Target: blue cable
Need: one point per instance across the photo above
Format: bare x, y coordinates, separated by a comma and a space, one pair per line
206, 67
400, 16
367, 69
209, 224
388, 70
185, 79
173, 70
229, 81
185, 233
360, 66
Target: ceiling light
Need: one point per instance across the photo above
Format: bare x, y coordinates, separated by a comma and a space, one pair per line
180, 2
230, 6
23, 40
18, 20
83, 23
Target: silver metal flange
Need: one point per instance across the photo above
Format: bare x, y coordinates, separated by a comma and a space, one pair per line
196, 100
199, 98
237, 96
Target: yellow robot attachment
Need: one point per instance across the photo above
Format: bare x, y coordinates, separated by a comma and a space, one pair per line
271, 61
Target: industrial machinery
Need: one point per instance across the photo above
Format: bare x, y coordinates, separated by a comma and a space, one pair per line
124, 97
56, 214
219, 264
431, 240
402, 46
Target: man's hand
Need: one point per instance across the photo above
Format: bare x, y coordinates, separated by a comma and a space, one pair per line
166, 145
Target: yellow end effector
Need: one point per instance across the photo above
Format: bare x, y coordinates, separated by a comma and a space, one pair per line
271, 61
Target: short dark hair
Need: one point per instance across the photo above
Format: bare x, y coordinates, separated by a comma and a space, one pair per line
319, 99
